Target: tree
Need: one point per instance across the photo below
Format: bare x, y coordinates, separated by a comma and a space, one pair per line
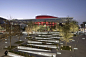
74, 26
65, 33
9, 30
66, 37
57, 25
35, 27
29, 27
16, 30
8, 27
0, 29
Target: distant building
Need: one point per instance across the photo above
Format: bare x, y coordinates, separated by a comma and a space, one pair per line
39, 20
2, 20
83, 27
50, 20
44, 19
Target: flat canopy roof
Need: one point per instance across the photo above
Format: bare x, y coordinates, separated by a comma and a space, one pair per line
48, 19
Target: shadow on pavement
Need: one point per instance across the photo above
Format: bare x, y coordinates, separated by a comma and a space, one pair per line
3, 56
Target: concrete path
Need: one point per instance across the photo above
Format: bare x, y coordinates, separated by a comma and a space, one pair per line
13, 40
78, 43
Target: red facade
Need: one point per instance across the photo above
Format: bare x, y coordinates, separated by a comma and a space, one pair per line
47, 23
44, 17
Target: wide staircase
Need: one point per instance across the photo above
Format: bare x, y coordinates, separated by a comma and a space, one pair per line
44, 44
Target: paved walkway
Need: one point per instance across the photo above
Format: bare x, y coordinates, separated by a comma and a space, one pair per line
13, 40
78, 43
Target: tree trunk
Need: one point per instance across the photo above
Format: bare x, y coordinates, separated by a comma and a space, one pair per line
19, 36
19, 32
10, 41
10, 36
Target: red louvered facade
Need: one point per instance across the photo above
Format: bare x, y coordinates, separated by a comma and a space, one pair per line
45, 17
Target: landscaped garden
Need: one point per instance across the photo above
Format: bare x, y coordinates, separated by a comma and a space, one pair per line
66, 48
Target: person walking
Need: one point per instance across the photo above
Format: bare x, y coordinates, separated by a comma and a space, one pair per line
6, 52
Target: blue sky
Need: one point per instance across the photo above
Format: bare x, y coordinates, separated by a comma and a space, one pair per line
28, 9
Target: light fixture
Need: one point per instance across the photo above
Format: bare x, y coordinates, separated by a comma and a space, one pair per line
75, 48
58, 52
5, 39
5, 42
83, 38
